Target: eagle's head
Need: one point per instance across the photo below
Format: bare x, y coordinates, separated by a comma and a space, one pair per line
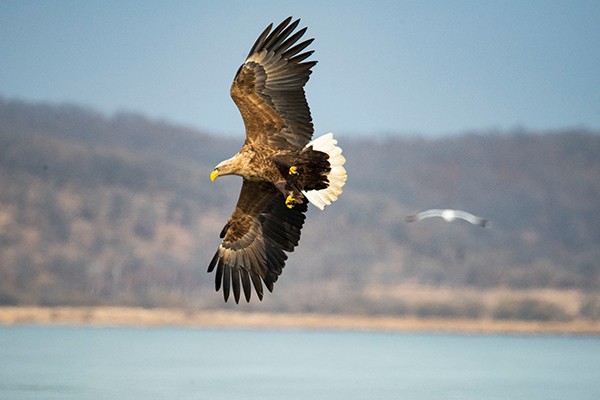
231, 166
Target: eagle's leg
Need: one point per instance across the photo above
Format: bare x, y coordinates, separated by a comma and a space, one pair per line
290, 200
291, 192
294, 197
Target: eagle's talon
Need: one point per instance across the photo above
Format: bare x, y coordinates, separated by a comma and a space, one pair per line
290, 201
293, 170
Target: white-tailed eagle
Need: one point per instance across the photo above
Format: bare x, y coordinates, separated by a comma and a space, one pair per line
282, 169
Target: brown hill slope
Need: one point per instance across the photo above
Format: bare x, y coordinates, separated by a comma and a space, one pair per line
97, 210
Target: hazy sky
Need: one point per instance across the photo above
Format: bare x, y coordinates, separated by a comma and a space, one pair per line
430, 67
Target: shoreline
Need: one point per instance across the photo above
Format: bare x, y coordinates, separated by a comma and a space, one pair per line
156, 317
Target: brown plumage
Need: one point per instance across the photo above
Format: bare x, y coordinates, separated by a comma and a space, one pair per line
279, 167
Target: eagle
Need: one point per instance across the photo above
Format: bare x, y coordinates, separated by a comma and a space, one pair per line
282, 168
449, 215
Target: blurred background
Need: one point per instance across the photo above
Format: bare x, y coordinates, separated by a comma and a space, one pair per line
113, 114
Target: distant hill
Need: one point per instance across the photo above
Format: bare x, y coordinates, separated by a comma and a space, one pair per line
99, 210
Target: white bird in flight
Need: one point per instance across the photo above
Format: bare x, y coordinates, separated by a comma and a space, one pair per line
449, 216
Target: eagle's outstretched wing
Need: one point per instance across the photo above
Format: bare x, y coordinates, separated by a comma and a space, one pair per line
255, 239
269, 88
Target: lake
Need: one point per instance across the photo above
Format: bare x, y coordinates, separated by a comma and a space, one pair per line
71, 362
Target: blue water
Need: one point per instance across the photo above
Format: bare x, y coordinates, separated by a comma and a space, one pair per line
58, 362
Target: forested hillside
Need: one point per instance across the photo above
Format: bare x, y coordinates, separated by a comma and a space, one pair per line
98, 210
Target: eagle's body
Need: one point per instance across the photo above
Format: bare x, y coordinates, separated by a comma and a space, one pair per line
281, 168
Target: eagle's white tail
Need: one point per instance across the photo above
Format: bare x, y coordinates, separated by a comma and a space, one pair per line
336, 177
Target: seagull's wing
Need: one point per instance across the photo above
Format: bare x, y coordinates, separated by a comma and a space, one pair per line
430, 214
423, 215
471, 218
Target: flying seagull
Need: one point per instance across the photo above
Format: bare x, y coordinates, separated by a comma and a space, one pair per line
449, 215
282, 169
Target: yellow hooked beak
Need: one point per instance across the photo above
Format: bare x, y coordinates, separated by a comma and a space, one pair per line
214, 174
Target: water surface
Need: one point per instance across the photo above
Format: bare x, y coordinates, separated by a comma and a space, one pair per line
63, 362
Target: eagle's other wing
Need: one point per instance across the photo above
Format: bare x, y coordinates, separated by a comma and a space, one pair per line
257, 235
269, 88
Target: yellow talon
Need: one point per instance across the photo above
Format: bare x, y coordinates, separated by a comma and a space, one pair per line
293, 170
289, 201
